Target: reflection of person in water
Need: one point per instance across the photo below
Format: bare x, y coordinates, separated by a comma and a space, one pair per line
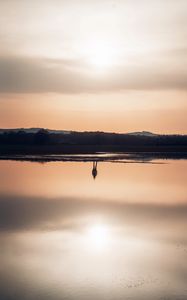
94, 170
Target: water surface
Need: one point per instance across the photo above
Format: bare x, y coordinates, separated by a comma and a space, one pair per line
66, 235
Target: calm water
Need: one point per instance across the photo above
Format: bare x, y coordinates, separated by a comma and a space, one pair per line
66, 235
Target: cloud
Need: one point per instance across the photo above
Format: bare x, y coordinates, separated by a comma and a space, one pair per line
37, 75
30, 32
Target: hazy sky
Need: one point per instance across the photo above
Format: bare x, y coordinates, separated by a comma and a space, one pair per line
94, 64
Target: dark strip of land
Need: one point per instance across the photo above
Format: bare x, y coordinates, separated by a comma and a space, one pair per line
87, 149
47, 142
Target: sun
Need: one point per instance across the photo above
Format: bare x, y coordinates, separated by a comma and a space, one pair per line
100, 55
100, 58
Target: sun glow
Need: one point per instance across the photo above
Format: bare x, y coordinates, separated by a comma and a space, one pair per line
98, 236
101, 55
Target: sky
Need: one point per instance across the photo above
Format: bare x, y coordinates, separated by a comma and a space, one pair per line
94, 65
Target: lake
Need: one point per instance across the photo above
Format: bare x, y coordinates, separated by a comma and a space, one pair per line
75, 230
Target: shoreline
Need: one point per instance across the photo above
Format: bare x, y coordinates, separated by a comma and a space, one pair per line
143, 157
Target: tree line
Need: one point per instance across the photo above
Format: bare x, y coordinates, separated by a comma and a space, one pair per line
44, 137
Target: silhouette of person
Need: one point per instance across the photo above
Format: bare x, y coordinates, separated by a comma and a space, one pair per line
94, 170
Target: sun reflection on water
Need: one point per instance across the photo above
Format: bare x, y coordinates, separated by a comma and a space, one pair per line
98, 237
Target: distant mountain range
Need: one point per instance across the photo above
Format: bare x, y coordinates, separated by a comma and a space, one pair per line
53, 131
47, 141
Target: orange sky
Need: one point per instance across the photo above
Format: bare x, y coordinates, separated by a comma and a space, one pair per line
77, 113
